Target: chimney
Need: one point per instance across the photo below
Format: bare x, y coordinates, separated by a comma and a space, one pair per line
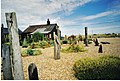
48, 22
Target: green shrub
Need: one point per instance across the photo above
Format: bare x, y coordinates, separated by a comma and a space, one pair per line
32, 52
24, 53
105, 68
34, 45
37, 52
74, 48
38, 36
29, 40
44, 44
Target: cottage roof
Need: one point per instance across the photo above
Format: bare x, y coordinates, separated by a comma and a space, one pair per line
5, 31
40, 28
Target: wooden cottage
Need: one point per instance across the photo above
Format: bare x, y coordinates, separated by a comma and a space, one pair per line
49, 30
5, 34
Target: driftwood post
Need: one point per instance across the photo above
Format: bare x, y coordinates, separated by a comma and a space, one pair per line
6, 61
86, 39
100, 49
56, 48
15, 46
58, 33
2, 35
96, 42
32, 71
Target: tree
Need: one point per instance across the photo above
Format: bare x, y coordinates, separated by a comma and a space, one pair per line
38, 36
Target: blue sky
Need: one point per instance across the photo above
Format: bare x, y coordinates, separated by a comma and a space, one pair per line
100, 16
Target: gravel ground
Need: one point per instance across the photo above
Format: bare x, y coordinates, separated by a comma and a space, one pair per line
50, 69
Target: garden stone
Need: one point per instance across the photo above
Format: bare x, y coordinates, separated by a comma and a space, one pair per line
32, 71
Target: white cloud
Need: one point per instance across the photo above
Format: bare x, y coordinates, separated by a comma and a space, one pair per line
97, 15
37, 11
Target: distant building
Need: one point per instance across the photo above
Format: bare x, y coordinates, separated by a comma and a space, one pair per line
49, 30
5, 34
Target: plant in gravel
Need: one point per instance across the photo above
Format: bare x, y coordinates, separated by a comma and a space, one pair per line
103, 67
38, 36
32, 52
74, 48
37, 52
24, 53
34, 45
44, 44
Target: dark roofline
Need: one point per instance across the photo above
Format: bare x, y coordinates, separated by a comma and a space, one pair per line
5, 31
43, 25
28, 29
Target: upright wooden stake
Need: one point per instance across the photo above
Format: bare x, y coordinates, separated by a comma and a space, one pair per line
58, 32
86, 39
57, 48
7, 69
2, 35
15, 46
100, 49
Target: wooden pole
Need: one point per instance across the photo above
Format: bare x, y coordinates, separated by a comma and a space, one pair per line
2, 34
86, 39
100, 49
57, 47
15, 46
6, 61
58, 33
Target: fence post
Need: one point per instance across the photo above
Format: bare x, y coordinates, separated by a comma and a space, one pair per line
57, 48
86, 39
100, 49
32, 71
6, 61
15, 45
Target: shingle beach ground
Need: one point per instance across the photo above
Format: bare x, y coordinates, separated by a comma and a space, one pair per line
50, 69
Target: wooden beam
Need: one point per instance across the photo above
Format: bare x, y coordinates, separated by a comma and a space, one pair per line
15, 46
86, 39
6, 61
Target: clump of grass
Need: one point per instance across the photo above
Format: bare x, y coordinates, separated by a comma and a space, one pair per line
104, 68
31, 52
44, 44
37, 52
74, 48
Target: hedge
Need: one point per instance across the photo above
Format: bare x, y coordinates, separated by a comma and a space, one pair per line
104, 68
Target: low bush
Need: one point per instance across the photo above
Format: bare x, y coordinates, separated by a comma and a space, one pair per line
32, 52
24, 53
37, 52
74, 48
44, 44
34, 45
104, 68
